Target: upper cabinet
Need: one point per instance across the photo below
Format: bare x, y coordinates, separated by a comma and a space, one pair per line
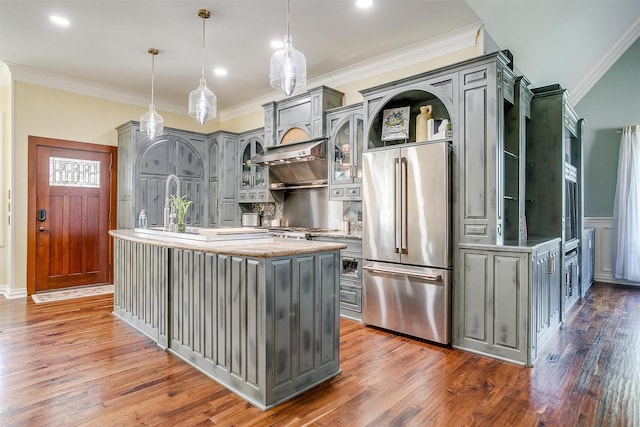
225, 193
346, 140
486, 91
554, 157
467, 103
254, 178
305, 111
143, 168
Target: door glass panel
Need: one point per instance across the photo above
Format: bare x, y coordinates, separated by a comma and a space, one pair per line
261, 170
359, 144
65, 172
246, 166
342, 162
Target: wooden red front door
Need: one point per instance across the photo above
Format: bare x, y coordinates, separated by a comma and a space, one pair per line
72, 209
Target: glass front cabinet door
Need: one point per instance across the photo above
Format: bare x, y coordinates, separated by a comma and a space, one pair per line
254, 186
346, 129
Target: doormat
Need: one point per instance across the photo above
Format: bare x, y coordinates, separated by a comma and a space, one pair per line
63, 294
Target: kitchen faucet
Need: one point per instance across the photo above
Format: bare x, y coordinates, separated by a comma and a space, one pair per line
167, 225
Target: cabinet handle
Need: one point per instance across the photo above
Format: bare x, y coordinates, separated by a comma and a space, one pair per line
551, 265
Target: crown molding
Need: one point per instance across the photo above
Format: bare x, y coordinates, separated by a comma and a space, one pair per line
607, 61
434, 47
57, 81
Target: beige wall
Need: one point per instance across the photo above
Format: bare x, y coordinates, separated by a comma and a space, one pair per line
5, 165
53, 113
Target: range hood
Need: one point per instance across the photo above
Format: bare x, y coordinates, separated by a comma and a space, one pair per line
297, 164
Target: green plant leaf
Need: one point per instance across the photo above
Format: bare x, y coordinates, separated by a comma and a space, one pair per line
181, 204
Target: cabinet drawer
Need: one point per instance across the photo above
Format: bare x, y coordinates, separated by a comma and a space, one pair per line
337, 192
242, 197
351, 298
353, 191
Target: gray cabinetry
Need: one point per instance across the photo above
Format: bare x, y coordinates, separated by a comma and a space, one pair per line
214, 182
305, 112
588, 258
350, 275
265, 328
516, 118
545, 294
492, 303
554, 179
473, 96
228, 212
346, 136
264, 322
144, 166
486, 86
507, 299
254, 179
141, 295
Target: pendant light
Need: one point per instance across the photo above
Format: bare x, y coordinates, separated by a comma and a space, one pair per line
152, 122
288, 68
203, 102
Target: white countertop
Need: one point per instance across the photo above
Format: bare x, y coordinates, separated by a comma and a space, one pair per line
267, 247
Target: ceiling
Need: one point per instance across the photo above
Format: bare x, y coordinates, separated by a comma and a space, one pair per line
104, 50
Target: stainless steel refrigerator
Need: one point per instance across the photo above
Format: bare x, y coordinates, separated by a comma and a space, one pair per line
407, 240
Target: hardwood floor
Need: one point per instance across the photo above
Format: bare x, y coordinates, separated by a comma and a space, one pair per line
73, 363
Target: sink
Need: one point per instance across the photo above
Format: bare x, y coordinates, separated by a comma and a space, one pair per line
207, 234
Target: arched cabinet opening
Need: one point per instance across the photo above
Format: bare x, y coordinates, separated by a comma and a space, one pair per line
411, 116
163, 157
254, 178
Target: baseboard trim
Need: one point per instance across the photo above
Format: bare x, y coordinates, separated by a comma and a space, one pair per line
12, 293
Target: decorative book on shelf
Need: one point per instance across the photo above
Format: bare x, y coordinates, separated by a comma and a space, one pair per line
395, 124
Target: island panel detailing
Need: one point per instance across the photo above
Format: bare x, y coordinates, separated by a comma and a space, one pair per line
266, 328
141, 295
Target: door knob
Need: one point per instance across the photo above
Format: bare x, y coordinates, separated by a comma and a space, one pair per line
43, 229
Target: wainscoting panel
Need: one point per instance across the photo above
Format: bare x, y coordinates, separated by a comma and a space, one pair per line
603, 271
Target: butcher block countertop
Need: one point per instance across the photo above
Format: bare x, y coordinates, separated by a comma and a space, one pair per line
258, 245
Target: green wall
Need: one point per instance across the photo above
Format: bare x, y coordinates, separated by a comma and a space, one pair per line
612, 103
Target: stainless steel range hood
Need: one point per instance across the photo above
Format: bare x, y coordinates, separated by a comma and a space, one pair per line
297, 164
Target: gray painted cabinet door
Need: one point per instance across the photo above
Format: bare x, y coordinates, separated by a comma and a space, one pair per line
229, 213
491, 314
162, 157
481, 156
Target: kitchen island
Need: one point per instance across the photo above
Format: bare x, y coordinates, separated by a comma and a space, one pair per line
259, 316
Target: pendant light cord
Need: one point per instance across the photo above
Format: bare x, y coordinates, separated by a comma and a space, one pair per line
153, 67
288, 18
203, 20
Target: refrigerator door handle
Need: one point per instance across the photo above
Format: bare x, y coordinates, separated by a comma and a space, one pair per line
431, 277
404, 221
397, 189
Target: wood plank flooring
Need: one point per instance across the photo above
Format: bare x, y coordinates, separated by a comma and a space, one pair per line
72, 363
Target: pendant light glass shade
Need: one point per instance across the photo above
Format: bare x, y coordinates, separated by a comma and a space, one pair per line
288, 67
151, 122
202, 101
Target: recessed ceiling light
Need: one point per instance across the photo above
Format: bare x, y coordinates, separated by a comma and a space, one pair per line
59, 20
220, 71
277, 44
363, 4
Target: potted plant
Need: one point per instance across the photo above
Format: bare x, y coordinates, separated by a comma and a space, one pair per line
181, 205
